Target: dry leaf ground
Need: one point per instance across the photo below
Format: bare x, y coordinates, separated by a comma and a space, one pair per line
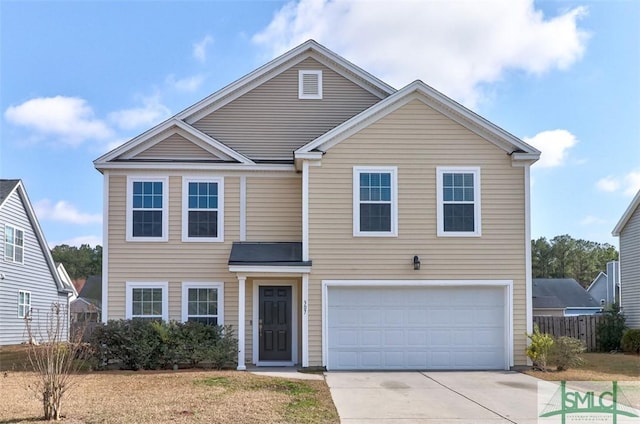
184, 396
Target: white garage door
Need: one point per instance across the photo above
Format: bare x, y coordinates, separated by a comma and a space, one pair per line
416, 328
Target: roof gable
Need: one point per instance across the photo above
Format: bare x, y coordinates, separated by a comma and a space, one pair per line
308, 49
140, 145
19, 190
184, 119
439, 102
626, 216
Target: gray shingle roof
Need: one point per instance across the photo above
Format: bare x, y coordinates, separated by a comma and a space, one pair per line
267, 254
92, 289
561, 293
6, 186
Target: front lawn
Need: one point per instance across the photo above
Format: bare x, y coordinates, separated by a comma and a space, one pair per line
597, 367
187, 396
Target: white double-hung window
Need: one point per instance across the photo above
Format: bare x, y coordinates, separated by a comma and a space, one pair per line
202, 209
13, 244
375, 201
203, 302
147, 209
458, 199
147, 300
24, 303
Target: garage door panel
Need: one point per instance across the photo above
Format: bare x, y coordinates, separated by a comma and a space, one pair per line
416, 328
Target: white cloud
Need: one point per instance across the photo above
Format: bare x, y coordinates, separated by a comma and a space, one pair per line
453, 46
150, 113
554, 145
91, 240
629, 183
200, 48
64, 211
69, 119
187, 84
632, 183
608, 184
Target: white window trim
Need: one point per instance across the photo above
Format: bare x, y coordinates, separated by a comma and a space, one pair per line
185, 209
27, 310
200, 285
477, 216
301, 94
165, 208
164, 285
393, 170
13, 259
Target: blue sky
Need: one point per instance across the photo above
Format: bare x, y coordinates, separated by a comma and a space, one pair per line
79, 78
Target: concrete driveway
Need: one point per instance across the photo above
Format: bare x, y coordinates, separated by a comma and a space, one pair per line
434, 397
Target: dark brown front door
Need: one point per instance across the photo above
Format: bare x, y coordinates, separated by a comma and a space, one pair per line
275, 323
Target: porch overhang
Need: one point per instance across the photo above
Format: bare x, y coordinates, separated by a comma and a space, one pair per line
268, 257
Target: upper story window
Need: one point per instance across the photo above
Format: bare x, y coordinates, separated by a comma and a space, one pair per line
203, 205
147, 301
13, 244
375, 201
309, 84
458, 201
24, 303
147, 209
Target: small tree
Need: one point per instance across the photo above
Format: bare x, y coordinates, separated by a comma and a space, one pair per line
538, 349
611, 328
565, 353
54, 358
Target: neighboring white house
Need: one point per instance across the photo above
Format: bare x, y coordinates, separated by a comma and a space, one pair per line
29, 280
628, 230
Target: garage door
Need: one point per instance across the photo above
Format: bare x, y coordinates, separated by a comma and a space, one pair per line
416, 327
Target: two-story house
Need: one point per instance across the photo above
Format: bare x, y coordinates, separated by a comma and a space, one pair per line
29, 280
330, 219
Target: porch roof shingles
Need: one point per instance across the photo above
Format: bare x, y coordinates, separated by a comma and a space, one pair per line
267, 254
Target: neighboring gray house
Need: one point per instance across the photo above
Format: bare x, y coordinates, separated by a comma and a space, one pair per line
29, 280
562, 297
605, 288
628, 229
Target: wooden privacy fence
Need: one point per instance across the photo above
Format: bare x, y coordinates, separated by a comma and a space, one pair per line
582, 327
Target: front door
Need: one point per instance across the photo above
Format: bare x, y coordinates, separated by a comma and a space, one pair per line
274, 329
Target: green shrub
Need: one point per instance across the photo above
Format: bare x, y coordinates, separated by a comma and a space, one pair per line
140, 344
223, 353
538, 349
610, 329
565, 353
631, 341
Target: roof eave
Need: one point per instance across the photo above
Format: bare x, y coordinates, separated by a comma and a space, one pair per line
626, 216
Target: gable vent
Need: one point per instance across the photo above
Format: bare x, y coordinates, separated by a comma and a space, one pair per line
310, 84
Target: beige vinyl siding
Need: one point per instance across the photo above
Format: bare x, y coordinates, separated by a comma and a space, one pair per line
270, 122
630, 269
175, 147
274, 209
172, 261
417, 139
